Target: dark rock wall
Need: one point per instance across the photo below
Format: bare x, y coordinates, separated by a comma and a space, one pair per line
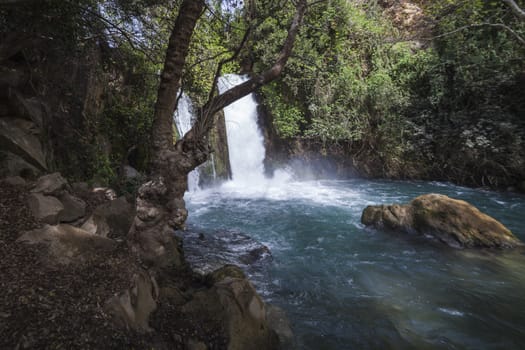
49, 98
221, 161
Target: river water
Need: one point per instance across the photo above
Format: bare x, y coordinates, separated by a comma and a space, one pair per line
345, 286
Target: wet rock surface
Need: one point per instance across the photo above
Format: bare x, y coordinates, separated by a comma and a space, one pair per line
233, 300
447, 220
207, 252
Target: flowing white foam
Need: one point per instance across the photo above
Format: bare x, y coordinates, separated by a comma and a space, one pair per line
245, 140
247, 153
451, 312
184, 119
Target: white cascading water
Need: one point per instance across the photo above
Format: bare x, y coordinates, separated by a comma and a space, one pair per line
183, 118
245, 141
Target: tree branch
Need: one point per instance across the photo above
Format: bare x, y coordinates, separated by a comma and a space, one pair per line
127, 36
518, 37
233, 56
205, 116
518, 11
478, 25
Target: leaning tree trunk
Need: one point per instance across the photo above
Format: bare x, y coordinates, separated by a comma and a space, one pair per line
160, 205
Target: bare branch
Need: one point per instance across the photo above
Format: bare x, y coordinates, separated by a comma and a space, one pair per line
518, 11
123, 32
205, 59
478, 25
517, 36
234, 55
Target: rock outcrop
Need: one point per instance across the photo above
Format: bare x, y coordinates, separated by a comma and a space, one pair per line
66, 244
240, 309
50, 184
18, 140
51, 202
217, 168
111, 219
450, 221
133, 307
220, 309
45, 208
280, 323
158, 246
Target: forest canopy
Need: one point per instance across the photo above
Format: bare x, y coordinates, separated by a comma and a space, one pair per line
420, 86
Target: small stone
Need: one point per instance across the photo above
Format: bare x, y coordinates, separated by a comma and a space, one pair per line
109, 193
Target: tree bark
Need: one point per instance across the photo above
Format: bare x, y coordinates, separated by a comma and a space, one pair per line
518, 11
160, 205
178, 45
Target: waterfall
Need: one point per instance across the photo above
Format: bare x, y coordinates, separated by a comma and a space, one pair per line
183, 118
245, 140
214, 171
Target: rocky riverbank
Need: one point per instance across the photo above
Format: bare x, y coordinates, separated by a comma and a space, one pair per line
78, 285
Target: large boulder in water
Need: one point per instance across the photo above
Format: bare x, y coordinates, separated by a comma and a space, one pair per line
451, 221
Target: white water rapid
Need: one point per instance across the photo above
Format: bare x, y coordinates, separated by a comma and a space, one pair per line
183, 118
368, 289
245, 141
246, 146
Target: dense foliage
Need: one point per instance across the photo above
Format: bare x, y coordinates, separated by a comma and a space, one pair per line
424, 89
95, 64
434, 94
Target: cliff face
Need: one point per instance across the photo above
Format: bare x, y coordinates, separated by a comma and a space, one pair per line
217, 168
49, 97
